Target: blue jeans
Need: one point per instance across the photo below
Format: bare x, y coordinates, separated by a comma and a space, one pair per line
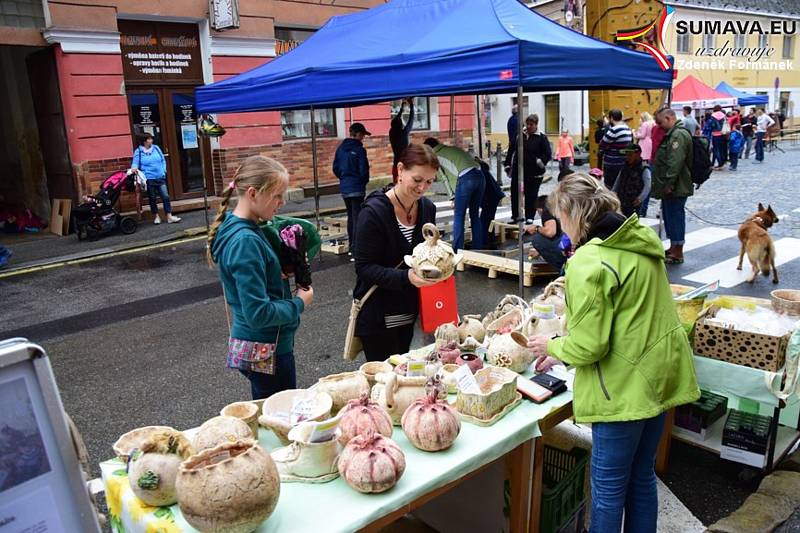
160, 187
469, 192
642, 211
760, 145
549, 250
748, 144
265, 385
716, 144
674, 212
353, 206
623, 475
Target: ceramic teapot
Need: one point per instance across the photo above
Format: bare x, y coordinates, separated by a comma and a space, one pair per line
445, 334
395, 393
510, 350
433, 259
470, 326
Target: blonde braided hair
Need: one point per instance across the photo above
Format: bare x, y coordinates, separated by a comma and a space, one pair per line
262, 173
579, 200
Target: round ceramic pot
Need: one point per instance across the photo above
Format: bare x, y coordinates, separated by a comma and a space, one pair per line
342, 388
510, 350
473, 361
247, 412
446, 375
218, 430
370, 369
433, 259
471, 327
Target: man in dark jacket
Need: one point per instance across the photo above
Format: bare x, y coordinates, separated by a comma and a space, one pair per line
351, 166
398, 133
672, 180
537, 153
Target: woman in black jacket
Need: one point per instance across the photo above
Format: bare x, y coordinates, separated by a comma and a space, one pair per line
389, 226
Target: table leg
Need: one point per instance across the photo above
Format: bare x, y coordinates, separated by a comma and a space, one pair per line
538, 488
519, 466
662, 456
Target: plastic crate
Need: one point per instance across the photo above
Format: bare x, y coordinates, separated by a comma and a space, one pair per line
563, 478
576, 522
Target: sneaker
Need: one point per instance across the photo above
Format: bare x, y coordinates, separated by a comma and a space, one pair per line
172, 219
157, 220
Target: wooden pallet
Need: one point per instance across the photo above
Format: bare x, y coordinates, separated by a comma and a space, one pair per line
494, 264
504, 230
338, 248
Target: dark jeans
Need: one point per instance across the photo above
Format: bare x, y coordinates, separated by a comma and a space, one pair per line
717, 146
674, 212
549, 250
160, 187
564, 163
642, 212
265, 385
760, 145
531, 186
734, 157
748, 144
391, 341
610, 174
469, 192
353, 206
623, 475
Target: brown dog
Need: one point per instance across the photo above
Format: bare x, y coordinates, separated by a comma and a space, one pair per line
758, 244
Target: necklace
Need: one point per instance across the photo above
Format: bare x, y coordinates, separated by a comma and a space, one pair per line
408, 211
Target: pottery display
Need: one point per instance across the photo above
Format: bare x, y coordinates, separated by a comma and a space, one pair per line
510, 350
473, 361
284, 410
548, 325
395, 393
506, 304
305, 461
372, 463
433, 259
153, 467
362, 416
447, 377
554, 293
446, 335
247, 412
470, 326
134, 439
370, 369
448, 353
219, 429
498, 389
431, 424
230, 488
343, 388
513, 320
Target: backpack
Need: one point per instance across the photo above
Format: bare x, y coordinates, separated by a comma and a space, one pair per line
701, 161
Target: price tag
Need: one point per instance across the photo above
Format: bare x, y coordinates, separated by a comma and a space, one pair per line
466, 381
545, 311
415, 368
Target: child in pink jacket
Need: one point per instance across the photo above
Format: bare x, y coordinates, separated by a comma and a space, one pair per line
565, 152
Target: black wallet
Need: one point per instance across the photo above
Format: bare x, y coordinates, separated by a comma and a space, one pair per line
551, 383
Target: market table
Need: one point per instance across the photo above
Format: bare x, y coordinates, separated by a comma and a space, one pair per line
334, 506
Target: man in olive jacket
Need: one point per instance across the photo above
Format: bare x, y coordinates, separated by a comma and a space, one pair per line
672, 180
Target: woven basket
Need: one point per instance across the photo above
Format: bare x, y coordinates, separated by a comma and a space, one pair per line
786, 301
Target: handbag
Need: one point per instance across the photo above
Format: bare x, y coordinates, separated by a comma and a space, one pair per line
250, 355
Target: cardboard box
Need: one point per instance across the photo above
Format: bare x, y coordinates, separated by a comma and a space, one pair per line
745, 438
59, 216
695, 418
755, 350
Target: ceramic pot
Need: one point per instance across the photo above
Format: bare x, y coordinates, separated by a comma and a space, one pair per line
433, 259
449, 353
513, 320
134, 439
370, 369
153, 468
218, 430
372, 463
445, 335
305, 461
395, 393
473, 361
497, 389
470, 326
277, 410
507, 303
231, 488
555, 294
549, 327
446, 375
342, 388
510, 350
247, 412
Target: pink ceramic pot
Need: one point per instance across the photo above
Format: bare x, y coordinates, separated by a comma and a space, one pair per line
474, 362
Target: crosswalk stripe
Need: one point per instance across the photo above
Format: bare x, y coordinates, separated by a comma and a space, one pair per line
705, 236
786, 249
649, 221
796, 210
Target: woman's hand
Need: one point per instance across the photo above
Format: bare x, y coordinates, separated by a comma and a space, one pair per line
545, 363
419, 282
307, 295
538, 345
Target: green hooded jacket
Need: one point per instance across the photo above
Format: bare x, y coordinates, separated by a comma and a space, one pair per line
672, 164
632, 357
452, 162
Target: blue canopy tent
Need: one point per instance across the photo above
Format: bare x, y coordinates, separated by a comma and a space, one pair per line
743, 97
432, 48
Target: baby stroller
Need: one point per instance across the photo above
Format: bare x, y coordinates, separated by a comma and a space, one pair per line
97, 214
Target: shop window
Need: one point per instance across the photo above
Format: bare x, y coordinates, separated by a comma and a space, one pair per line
708, 41
22, 14
684, 43
552, 113
287, 39
297, 124
788, 46
740, 40
784, 102
763, 41
422, 116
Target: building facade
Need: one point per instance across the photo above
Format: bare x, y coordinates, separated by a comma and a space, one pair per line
83, 77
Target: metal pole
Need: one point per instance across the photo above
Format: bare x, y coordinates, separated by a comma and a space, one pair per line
520, 188
582, 119
479, 124
314, 167
499, 155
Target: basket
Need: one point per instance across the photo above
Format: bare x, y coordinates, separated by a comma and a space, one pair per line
564, 477
786, 301
687, 309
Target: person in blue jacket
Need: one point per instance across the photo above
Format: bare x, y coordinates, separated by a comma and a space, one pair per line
264, 314
351, 166
149, 159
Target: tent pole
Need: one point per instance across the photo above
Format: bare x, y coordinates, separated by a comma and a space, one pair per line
314, 167
479, 125
520, 189
452, 118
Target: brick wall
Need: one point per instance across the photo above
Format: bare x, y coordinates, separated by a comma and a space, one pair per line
296, 156
89, 175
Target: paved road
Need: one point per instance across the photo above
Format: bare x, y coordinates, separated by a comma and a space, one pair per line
138, 339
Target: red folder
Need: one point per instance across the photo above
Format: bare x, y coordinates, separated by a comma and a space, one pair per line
438, 305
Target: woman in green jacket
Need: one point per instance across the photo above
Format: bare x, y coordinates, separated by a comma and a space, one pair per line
264, 314
632, 357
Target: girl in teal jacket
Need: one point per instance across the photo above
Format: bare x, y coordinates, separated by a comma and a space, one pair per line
264, 314
632, 357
